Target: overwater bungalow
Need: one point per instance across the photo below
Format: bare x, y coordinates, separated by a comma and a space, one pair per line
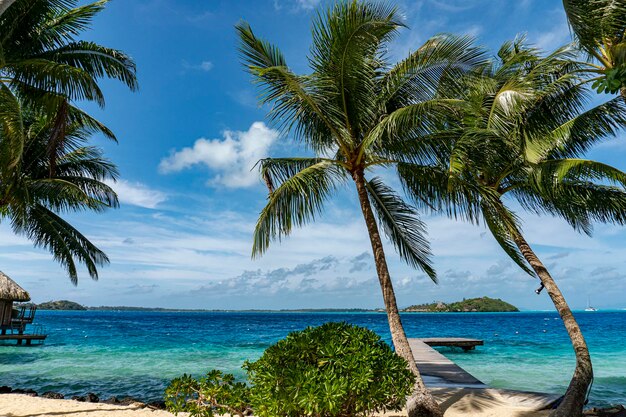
13, 319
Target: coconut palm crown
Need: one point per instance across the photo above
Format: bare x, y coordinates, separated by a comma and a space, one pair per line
521, 134
355, 112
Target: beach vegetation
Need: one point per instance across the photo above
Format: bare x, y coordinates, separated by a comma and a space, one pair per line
356, 114
334, 370
216, 393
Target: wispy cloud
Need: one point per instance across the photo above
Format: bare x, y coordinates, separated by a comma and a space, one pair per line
296, 5
137, 194
230, 158
205, 66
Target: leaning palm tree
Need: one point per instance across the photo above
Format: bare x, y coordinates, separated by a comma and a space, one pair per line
55, 173
520, 134
599, 26
346, 112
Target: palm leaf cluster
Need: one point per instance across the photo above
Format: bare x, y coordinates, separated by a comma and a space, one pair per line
599, 27
36, 193
46, 166
522, 132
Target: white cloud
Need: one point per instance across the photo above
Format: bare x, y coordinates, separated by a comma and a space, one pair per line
296, 5
307, 4
205, 66
231, 158
137, 194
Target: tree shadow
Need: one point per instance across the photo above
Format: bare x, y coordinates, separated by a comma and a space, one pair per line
70, 412
477, 401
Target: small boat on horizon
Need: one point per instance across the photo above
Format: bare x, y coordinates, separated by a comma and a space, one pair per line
589, 307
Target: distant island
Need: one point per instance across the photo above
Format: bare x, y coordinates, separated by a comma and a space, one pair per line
484, 304
480, 305
73, 306
60, 305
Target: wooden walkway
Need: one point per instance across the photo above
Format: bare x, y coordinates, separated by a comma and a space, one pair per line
441, 370
28, 338
459, 393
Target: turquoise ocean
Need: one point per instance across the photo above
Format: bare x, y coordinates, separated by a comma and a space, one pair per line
125, 353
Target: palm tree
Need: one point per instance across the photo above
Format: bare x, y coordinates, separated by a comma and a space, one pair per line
599, 26
521, 133
44, 68
348, 112
54, 174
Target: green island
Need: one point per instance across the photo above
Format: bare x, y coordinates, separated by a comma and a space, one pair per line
60, 305
470, 305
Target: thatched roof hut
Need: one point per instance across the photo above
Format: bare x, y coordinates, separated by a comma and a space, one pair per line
9, 290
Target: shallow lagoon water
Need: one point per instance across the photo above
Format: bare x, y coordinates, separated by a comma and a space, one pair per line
135, 354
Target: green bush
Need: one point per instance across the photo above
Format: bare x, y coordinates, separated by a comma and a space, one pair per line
333, 370
216, 392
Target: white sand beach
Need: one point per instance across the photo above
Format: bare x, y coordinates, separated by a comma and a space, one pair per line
19, 405
458, 403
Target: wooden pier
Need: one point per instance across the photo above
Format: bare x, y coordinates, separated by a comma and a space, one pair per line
457, 391
433, 364
28, 338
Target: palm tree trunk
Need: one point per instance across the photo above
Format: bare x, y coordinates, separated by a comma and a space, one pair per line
421, 403
574, 399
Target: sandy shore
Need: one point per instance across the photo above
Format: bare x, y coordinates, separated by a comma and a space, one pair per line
18, 405
459, 403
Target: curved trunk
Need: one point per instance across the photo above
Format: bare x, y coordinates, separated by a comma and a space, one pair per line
574, 399
421, 403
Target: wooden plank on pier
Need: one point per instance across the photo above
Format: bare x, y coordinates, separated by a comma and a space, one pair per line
433, 364
464, 343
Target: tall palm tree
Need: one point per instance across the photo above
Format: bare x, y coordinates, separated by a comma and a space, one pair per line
599, 26
520, 134
56, 173
353, 106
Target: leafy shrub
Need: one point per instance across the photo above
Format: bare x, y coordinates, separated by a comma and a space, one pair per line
335, 370
216, 392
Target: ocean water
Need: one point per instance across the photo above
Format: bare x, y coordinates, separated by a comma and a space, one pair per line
137, 353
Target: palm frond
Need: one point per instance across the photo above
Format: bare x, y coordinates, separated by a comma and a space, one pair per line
402, 225
298, 102
49, 231
295, 202
502, 223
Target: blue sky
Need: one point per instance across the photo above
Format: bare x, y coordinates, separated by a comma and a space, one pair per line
187, 142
